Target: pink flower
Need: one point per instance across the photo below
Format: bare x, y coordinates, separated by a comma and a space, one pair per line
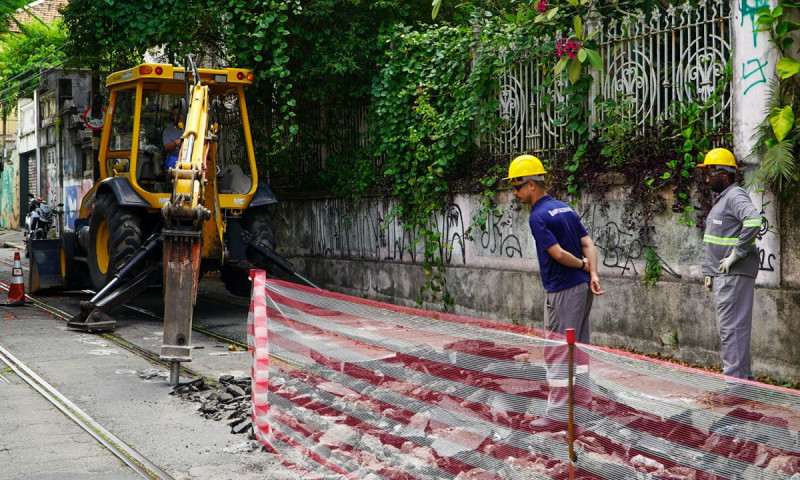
563, 47
542, 6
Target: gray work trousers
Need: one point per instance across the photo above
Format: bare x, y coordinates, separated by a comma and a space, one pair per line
568, 308
733, 297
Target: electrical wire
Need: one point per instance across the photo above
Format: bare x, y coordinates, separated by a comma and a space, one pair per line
33, 76
34, 66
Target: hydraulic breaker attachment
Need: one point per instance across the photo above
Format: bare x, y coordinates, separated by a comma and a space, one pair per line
45, 264
94, 313
181, 276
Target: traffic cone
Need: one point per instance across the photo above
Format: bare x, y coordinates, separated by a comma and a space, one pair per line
16, 291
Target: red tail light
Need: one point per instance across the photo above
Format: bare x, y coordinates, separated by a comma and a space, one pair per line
145, 70
159, 70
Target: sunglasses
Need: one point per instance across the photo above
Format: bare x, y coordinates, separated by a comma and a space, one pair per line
518, 187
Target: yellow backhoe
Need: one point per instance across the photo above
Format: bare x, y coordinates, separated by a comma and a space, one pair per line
152, 217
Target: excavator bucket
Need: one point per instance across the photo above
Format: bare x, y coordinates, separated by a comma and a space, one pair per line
45, 265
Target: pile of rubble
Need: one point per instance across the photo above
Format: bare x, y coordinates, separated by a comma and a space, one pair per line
229, 402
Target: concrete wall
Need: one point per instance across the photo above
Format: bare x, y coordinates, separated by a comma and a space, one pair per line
352, 248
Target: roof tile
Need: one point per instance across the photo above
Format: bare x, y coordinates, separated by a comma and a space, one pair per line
45, 10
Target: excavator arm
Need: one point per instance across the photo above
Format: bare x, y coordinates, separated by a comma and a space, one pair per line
182, 233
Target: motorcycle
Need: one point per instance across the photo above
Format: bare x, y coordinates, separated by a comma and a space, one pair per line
40, 220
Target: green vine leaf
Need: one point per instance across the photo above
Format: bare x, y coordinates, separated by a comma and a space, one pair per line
575, 71
436, 5
562, 62
787, 67
782, 121
594, 58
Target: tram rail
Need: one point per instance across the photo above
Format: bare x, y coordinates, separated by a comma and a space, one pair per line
130, 457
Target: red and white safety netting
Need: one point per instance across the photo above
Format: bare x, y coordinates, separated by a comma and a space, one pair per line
345, 387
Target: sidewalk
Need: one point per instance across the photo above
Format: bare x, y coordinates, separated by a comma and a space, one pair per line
12, 239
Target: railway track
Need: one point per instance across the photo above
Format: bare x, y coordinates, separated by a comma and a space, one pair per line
130, 457
151, 356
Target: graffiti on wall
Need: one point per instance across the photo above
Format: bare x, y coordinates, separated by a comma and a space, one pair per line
368, 230
767, 259
498, 238
752, 68
73, 194
618, 249
9, 195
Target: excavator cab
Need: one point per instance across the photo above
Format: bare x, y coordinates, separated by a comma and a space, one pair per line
141, 113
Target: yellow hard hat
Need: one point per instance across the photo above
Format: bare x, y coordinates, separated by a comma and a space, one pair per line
525, 166
719, 157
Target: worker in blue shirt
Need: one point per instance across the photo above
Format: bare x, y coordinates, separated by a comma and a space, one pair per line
568, 265
172, 136
730, 261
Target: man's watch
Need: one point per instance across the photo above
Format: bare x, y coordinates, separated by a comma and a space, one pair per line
583, 264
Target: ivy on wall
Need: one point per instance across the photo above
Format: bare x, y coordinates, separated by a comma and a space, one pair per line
429, 102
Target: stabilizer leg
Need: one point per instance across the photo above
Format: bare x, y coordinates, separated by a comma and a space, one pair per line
94, 313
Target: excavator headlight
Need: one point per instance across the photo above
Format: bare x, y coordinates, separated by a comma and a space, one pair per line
145, 70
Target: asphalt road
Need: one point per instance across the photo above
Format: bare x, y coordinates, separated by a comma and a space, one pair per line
121, 391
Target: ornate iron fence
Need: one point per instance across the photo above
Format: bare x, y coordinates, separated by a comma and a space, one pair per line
676, 55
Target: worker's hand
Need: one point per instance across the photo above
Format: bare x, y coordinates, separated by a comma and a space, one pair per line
594, 285
725, 263
708, 281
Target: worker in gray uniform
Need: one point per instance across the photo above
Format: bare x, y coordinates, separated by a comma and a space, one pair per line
730, 263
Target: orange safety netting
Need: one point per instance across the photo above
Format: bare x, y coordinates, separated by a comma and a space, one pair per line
351, 388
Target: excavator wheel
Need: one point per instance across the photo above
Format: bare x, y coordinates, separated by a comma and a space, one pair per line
257, 222
115, 234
